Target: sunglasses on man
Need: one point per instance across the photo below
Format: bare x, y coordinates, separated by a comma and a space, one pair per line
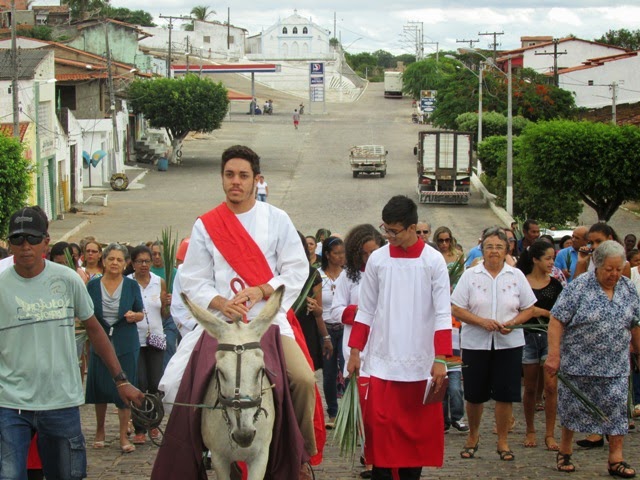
18, 240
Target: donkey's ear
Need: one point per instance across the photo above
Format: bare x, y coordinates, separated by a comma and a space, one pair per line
210, 322
261, 323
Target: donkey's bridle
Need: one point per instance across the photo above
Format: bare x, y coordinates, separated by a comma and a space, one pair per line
239, 402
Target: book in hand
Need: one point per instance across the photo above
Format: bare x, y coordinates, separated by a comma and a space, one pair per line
430, 394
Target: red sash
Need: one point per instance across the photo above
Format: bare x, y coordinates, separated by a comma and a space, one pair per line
245, 257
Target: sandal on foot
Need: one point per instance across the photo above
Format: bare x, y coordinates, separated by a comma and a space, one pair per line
128, 448
506, 455
469, 452
620, 469
98, 444
563, 463
551, 446
539, 406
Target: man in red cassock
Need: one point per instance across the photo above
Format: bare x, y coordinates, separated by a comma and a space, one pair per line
404, 319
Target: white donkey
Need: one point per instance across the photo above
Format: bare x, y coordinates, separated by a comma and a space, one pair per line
241, 392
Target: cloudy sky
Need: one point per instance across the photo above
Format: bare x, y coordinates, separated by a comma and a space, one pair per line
372, 24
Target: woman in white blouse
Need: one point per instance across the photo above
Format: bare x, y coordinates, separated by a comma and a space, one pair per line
489, 298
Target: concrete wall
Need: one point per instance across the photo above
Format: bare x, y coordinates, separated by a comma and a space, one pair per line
626, 72
208, 40
123, 43
577, 52
97, 135
89, 100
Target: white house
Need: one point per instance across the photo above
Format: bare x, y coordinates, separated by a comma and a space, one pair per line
539, 56
592, 83
208, 40
291, 38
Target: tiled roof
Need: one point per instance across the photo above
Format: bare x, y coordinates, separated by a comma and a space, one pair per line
72, 77
73, 63
28, 61
51, 8
6, 129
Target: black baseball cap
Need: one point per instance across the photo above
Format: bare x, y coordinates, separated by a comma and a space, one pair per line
28, 221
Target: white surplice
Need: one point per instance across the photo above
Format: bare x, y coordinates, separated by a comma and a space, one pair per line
404, 301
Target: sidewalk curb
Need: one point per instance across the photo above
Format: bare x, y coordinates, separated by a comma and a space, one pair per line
489, 197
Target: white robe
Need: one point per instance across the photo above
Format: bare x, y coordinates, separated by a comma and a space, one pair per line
404, 301
205, 274
346, 294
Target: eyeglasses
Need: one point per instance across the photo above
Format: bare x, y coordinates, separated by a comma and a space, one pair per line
17, 240
423, 232
142, 262
444, 240
389, 233
497, 248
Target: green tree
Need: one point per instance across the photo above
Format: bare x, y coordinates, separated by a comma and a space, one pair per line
384, 59
84, 9
135, 17
405, 58
530, 200
622, 38
180, 105
427, 75
493, 123
15, 180
596, 161
199, 12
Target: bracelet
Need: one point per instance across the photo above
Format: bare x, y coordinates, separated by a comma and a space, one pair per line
437, 360
123, 384
328, 337
264, 293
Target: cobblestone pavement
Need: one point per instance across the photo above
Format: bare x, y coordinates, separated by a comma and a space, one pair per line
530, 463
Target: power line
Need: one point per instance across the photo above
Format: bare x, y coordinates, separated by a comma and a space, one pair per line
555, 54
493, 45
470, 42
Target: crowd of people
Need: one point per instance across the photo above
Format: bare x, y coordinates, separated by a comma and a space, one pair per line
392, 307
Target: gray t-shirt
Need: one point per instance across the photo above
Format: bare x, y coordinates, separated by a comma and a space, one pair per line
38, 362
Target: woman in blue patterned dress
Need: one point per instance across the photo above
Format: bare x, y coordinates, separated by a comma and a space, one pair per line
590, 329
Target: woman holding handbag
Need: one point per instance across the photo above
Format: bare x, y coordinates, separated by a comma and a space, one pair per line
118, 307
150, 331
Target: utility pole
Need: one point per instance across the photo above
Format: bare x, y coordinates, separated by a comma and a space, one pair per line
493, 45
614, 98
416, 29
470, 42
112, 102
437, 49
228, 29
14, 73
555, 54
171, 19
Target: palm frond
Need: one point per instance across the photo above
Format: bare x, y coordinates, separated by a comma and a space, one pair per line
349, 427
592, 408
169, 249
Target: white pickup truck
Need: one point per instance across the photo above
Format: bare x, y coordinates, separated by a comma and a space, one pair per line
368, 159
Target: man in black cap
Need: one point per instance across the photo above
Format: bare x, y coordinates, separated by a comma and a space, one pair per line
41, 387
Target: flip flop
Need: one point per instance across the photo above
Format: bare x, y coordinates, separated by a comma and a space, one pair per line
98, 444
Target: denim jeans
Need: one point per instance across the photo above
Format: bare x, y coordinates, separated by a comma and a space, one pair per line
60, 443
262, 197
330, 368
453, 400
172, 335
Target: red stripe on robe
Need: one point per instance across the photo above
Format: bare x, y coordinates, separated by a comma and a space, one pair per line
244, 256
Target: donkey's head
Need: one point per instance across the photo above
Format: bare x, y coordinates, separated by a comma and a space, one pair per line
239, 375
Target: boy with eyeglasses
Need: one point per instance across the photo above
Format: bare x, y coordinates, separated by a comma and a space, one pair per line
41, 387
404, 319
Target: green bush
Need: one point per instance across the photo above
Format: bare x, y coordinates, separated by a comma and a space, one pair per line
493, 123
15, 180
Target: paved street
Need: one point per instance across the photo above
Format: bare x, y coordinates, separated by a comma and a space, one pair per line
308, 175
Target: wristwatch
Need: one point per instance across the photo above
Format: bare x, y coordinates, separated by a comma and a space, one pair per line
121, 377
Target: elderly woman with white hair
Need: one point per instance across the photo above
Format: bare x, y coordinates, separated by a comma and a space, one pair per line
590, 328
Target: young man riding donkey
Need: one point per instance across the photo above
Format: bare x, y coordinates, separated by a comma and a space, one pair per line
239, 254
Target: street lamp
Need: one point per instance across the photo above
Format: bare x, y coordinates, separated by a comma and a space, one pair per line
479, 75
509, 196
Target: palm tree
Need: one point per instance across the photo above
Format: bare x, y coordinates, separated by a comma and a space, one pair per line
199, 12
202, 12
